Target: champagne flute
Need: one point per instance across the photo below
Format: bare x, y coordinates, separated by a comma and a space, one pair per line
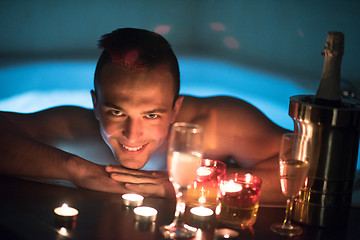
185, 152
293, 171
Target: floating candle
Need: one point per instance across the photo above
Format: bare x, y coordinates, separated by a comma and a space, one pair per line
145, 214
66, 211
132, 199
203, 171
230, 186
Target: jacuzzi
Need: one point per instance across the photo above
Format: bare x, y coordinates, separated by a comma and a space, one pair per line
38, 85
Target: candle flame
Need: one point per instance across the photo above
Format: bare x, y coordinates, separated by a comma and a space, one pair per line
65, 207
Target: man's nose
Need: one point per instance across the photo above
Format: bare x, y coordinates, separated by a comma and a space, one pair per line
132, 129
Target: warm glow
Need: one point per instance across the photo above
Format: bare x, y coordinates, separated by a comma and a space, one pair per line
145, 211
65, 210
202, 199
202, 211
203, 171
230, 186
63, 231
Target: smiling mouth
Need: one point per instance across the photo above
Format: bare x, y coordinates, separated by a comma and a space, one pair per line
132, 149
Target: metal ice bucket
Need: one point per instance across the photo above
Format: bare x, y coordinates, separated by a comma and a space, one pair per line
333, 135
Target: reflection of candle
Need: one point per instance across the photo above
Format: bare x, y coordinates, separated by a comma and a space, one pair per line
230, 186
225, 233
63, 231
66, 211
145, 214
202, 211
132, 199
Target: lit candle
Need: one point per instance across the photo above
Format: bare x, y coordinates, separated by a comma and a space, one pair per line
203, 171
225, 233
66, 211
145, 214
132, 199
202, 211
230, 186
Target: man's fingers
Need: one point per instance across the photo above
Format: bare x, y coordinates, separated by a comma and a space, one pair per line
140, 173
134, 178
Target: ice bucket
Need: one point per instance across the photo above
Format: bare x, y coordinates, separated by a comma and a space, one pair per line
333, 135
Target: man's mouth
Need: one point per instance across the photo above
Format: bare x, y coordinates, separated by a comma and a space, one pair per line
132, 149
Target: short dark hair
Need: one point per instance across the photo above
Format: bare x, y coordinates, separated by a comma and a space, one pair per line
137, 49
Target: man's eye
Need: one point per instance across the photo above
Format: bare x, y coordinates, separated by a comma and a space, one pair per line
116, 113
152, 116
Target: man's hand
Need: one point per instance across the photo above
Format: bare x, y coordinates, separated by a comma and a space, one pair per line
94, 177
148, 183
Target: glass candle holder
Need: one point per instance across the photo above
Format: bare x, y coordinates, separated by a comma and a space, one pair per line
239, 202
205, 190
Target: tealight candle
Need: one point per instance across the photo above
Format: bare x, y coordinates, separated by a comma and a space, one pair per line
132, 199
201, 211
201, 217
65, 216
66, 211
225, 233
145, 214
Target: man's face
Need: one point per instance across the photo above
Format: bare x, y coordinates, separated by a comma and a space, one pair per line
135, 110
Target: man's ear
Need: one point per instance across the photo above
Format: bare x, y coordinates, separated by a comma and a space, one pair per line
177, 107
95, 102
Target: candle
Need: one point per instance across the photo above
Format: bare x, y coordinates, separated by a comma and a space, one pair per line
230, 187
145, 214
202, 211
201, 217
66, 211
225, 233
203, 171
240, 193
132, 199
65, 217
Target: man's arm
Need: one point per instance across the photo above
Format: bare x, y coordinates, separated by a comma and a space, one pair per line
25, 148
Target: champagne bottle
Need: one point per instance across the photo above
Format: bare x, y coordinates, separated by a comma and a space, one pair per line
329, 91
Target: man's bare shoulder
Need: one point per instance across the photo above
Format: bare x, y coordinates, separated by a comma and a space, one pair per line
226, 105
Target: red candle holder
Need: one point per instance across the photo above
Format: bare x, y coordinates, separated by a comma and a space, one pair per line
240, 195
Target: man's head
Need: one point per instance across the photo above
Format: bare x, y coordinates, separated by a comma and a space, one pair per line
136, 95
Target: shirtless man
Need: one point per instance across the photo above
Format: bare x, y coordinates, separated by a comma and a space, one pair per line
136, 99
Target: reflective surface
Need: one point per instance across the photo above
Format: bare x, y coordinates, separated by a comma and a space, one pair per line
27, 213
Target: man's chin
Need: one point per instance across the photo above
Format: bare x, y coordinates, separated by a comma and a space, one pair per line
131, 165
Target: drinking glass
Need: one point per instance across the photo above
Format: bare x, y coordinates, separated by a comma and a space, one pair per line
185, 152
293, 171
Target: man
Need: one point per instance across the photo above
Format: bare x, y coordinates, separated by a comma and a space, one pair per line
136, 99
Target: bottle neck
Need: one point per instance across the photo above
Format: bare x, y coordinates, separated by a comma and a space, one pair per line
329, 91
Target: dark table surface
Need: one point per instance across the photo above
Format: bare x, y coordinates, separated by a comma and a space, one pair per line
27, 213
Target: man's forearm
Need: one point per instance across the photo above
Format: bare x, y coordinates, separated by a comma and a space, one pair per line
21, 155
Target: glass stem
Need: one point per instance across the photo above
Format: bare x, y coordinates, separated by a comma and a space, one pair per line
289, 207
180, 205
